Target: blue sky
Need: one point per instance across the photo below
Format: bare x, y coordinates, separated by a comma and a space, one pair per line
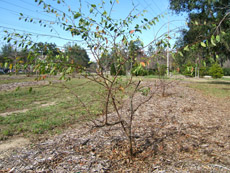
10, 10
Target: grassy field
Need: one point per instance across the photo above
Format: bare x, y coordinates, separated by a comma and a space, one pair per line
45, 109
216, 88
6, 79
51, 108
219, 88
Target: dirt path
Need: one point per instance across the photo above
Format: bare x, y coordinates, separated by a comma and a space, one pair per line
26, 110
183, 132
23, 81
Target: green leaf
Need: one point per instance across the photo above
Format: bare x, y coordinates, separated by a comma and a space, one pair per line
30, 89
104, 13
40, 2
69, 70
212, 40
203, 44
218, 38
186, 48
8, 40
173, 56
77, 15
53, 69
181, 54
204, 64
93, 5
223, 33
18, 88
124, 40
6, 65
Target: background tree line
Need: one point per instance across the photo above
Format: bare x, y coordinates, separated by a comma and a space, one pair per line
207, 20
14, 59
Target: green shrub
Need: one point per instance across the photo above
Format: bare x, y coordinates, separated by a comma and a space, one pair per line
216, 71
152, 72
122, 71
188, 70
226, 71
113, 70
203, 71
139, 70
162, 70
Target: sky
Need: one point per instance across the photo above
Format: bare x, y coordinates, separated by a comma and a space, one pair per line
10, 13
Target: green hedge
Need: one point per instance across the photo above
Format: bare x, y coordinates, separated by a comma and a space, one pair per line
204, 71
216, 71
113, 70
226, 71
139, 70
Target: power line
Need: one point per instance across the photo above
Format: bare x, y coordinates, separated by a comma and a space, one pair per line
27, 3
157, 7
38, 34
24, 8
146, 6
33, 18
17, 28
7, 2
12, 11
149, 5
28, 16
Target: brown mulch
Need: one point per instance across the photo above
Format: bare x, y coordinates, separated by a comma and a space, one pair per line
184, 131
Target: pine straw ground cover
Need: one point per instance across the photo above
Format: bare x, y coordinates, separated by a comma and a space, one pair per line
183, 131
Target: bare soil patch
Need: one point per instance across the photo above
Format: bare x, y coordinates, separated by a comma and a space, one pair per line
183, 132
26, 110
13, 112
12, 86
7, 147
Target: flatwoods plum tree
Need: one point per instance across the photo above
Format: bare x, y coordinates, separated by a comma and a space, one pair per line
102, 34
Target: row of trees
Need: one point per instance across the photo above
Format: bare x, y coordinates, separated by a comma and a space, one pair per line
15, 59
140, 63
207, 23
12, 57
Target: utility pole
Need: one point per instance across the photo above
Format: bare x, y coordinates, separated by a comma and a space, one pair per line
168, 51
15, 61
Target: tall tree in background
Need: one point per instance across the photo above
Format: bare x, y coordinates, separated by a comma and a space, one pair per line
206, 19
46, 48
77, 55
7, 51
